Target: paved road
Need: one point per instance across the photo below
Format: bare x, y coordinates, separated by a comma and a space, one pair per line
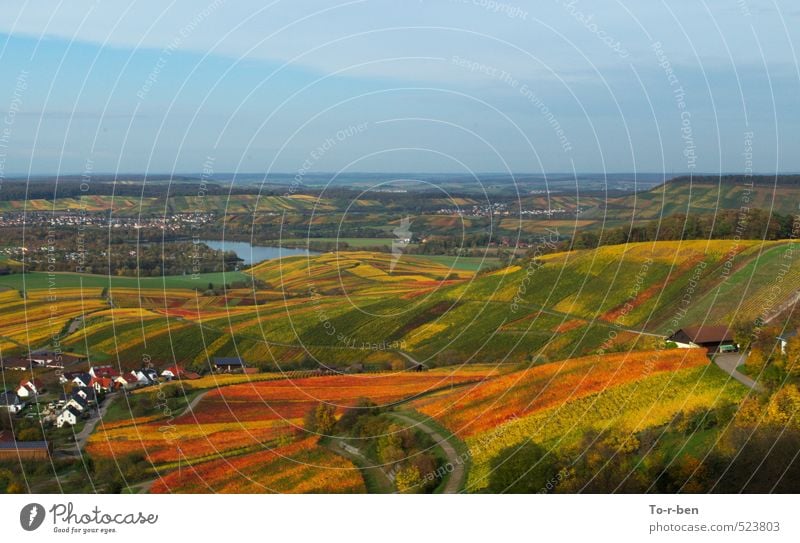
729, 362
83, 436
456, 479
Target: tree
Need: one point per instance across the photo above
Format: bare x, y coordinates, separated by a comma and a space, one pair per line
784, 406
363, 407
743, 334
523, 469
33, 433
390, 445
756, 360
791, 362
5, 420
408, 480
321, 419
310, 420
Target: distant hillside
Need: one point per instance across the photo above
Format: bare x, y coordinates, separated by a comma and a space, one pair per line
704, 194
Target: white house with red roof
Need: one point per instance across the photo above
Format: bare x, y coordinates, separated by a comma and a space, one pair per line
29, 388
127, 380
102, 384
104, 371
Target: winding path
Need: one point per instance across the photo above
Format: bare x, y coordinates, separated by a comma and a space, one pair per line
456, 480
193, 403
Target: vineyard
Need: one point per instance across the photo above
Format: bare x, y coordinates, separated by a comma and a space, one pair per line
349, 308
558, 403
297, 468
240, 421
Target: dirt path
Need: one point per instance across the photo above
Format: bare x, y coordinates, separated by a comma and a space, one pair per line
456, 480
729, 362
792, 300
194, 402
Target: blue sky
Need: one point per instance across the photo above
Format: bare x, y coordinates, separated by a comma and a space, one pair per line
435, 85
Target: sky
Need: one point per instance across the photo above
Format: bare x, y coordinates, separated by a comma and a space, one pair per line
457, 86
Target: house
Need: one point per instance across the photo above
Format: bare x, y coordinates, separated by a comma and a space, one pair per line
77, 403
104, 371
145, 379
229, 364
11, 402
69, 416
714, 338
127, 380
89, 395
102, 384
147, 376
80, 398
173, 372
24, 392
784, 339
28, 388
79, 379
355, 368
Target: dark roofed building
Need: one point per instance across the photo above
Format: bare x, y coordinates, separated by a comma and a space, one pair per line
16, 363
713, 338
10, 401
229, 364
24, 450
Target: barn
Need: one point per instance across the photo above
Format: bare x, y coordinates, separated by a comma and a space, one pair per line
229, 364
714, 338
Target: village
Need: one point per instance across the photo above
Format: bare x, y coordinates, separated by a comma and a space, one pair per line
66, 405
